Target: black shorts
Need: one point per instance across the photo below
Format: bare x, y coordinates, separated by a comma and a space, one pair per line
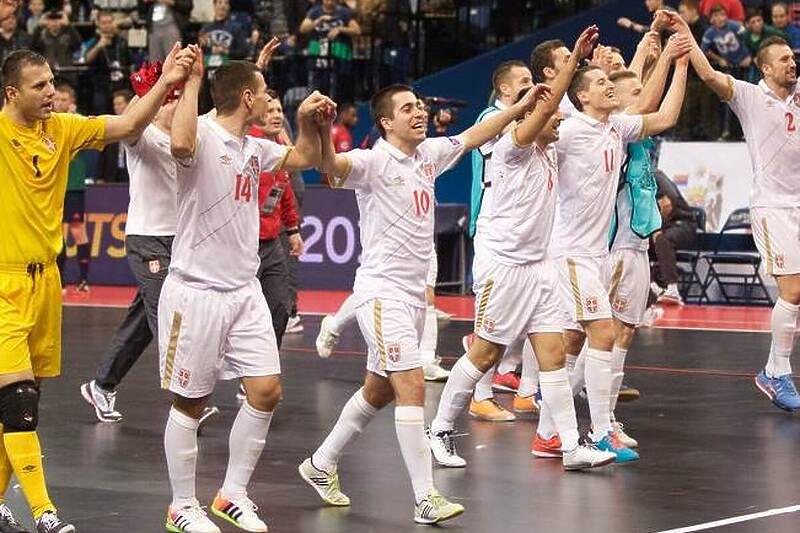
74, 207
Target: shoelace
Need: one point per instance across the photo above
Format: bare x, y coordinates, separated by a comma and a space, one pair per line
49, 519
786, 385
192, 513
245, 503
330, 339
5, 515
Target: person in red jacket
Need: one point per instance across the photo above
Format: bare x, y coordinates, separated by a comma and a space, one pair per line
277, 210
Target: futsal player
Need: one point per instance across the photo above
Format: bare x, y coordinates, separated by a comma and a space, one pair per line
37, 146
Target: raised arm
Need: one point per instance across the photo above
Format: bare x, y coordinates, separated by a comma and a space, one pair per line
529, 129
718, 82
670, 110
677, 46
333, 164
183, 134
644, 50
307, 152
131, 125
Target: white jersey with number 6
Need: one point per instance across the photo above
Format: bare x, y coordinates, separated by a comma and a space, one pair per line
396, 206
216, 243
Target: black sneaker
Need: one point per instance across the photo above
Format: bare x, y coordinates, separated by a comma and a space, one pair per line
49, 522
8, 524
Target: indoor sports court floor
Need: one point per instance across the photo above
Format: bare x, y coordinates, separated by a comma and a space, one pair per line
713, 449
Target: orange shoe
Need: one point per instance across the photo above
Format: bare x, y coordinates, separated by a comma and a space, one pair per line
525, 404
490, 411
550, 448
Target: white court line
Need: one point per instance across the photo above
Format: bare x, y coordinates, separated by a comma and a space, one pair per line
734, 520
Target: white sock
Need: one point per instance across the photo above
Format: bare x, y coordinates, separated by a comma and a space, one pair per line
246, 442
598, 391
546, 427
483, 389
557, 395
784, 322
180, 447
456, 394
355, 416
617, 373
409, 422
511, 359
529, 383
345, 314
576, 370
430, 332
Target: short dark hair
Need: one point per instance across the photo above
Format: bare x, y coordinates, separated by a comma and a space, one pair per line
769, 42
229, 82
783, 5
716, 8
579, 83
752, 12
65, 87
127, 94
15, 62
542, 57
104, 13
381, 106
622, 75
502, 71
346, 105
272, 93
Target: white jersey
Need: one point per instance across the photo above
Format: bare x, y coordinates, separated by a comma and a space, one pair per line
566, 106
153, 190
396, 206
626, 239
770, 128
515, 224
216, 243
590, 155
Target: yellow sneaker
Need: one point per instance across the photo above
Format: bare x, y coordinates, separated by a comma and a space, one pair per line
525, 404
490, 411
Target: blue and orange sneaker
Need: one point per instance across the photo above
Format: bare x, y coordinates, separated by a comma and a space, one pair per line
610, 443
780, 390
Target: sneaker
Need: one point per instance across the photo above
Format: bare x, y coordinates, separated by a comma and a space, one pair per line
9, 524
490, 411
671, 296
241, 512
656, 289
327, 338
325, 483
103, 402
82, 287
49, 522
466, 341
508, 382
443, 317
627, 394
526, 404
434, 372
618, 428
623, 454
546, 448
586, 456
208, 412
780, 390
294, 325
443, 447
190, 519
241, 394
652, 315
434, 508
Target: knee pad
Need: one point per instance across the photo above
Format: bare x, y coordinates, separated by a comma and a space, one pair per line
19, 407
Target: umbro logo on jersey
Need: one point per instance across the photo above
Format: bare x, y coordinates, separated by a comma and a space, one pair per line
226, 159
397, 181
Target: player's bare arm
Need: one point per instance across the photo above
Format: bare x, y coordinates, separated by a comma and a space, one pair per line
307, 150
333, 164
130, 126
670, 110
529, 129
183, 135
677, 46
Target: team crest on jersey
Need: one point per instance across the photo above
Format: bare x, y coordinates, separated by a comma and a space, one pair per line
488, 325
253, 168
591, 304
779, 261
225, 159
393, 351
429, 172
184, 376
620, 304
50, 144
796, 99
154, 265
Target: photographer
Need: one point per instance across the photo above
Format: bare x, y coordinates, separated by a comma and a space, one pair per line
58, 41
108, 57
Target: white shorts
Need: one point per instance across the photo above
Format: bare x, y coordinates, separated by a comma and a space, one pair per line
392, 330
511, 301
205, 335
433, 269
627, 276
583, 293
776, 231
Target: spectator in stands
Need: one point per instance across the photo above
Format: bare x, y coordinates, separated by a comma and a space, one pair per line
330, 48
113, 165
781, 21
678, 230
223, 39
108, 58
59, 42
12, 38
389, 22
167, 22
698, 120
342, 130
35, 14
123, 11
723, 44
733, 8
756, 32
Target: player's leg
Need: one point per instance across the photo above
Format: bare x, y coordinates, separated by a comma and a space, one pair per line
526, 401
332, 326
77, 229
8, 523
775, 233
431, 365
273, 274
321, 469
575, 349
